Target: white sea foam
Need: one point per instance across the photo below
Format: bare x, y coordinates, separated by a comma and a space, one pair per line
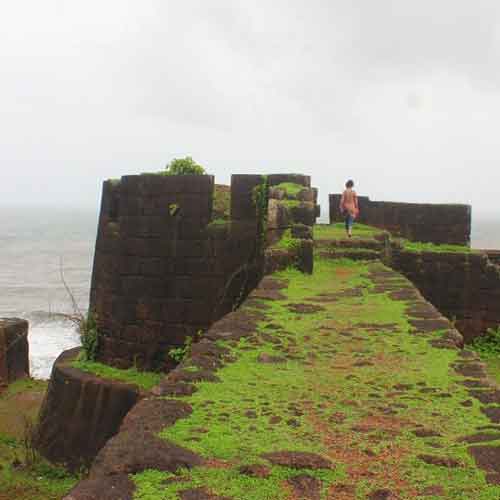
47, 340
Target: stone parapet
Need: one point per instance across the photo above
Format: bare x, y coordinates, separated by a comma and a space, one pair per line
465, 287
435, 223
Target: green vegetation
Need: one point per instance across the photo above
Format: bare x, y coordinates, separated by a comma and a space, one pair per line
183, 166
290, 188
89, 336
173, 209
179, 353
143, 379
488, 347
353, 385
222, 202
260, 197
219, 222
337, 231
290, 203
24, 475
287, 241
415, 246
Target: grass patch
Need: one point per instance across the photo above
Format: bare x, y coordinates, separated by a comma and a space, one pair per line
23, 385
145, 380
488, 347
418, 247
222, 202
286, 242
290, 203
34, 481
290, 188
337, 231
228, 482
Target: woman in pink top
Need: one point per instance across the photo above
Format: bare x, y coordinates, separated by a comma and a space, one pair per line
349, 205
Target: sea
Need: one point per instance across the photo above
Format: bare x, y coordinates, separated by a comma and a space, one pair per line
46, 257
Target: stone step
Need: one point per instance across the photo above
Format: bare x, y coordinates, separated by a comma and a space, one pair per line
354, 254
370, 244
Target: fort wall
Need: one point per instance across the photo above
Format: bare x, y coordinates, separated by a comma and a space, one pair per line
425, 222
465, 287
163, 270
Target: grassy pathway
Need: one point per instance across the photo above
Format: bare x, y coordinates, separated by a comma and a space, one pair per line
341, 389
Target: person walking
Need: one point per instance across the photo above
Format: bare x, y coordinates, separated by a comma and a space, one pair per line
349, 206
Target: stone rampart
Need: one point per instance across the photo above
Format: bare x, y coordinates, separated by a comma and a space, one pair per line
162, 271
14, 350
435, 223
465, 287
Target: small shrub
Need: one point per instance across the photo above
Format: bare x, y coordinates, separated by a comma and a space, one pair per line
179, 353
89, 337
488, 344
184, 166
31, 456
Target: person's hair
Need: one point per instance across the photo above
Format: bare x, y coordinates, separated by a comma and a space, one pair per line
349, 183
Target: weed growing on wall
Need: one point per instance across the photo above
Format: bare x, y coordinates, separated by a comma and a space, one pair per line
288, 242
179, 353
291, 188
89, 336
260, 199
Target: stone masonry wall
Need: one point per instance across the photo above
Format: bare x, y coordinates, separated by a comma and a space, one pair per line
14, 349
293, 212
162, 271
436, 223
463, 286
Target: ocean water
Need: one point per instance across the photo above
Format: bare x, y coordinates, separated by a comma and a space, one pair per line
37, 243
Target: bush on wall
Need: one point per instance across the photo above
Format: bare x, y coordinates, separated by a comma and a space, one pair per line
184, 166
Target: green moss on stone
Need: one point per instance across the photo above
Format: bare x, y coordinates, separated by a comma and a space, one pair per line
291, 188
143, 379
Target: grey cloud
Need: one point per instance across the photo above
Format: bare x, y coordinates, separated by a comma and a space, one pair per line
401, 95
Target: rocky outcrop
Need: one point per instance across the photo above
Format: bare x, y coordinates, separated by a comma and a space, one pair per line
80, 413
14, 349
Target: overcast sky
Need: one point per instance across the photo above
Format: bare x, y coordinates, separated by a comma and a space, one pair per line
403, 96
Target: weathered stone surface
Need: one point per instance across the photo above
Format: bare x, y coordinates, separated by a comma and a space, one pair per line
118, 487
255, 470
279, 216
486, 457
14, 349
161, 272
80, 413
132, 451
305, 487
298, 460
463, 286
302, 231
442, 461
